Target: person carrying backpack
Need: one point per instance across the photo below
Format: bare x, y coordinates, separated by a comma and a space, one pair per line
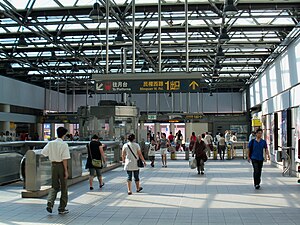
256, 148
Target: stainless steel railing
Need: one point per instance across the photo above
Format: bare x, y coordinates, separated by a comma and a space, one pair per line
38, 168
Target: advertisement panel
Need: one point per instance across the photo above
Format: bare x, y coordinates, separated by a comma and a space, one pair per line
284, 128
297, 136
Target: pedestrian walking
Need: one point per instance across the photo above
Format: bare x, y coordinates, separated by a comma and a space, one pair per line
58, 153
201, 157
95, 151
131, 152
256, 149
221, 147
151, 152
163, 145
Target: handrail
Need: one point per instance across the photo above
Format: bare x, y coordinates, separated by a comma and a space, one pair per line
38, 167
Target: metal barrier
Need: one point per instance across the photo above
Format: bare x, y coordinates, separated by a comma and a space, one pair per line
38, 167
243, 145
9, 166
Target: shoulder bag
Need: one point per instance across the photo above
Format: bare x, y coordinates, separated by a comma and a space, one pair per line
139, 161
97, 163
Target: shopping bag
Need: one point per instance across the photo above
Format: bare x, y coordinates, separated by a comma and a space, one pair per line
192, 163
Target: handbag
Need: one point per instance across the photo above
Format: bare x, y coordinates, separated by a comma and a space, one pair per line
97, 163
140, 163
204, 156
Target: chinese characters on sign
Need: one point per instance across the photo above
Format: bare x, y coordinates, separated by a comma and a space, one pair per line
178, 85
109, 86
160, 86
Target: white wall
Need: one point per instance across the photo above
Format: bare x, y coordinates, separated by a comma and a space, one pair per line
56, 101
198, 128
13, 92
183, 102
278, 87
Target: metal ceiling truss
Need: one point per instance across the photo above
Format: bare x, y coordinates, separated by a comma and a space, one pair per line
252, 45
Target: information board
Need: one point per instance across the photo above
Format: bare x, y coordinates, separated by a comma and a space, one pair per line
177, 85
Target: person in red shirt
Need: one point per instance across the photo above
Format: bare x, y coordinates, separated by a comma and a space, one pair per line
171, 138
193, 140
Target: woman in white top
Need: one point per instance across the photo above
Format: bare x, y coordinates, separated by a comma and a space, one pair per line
131, 152
163, 145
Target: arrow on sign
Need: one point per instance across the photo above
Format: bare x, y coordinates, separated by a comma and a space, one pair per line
99, 87
194, 84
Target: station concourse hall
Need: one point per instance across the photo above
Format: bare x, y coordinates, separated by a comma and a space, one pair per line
150, 112
172, 195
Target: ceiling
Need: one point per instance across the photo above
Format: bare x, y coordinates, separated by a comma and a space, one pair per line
60, 34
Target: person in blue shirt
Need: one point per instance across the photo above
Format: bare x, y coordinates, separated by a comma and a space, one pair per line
256, 148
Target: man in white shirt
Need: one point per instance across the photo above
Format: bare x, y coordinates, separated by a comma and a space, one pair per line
58, 153
209, 141
227, 136
252, 136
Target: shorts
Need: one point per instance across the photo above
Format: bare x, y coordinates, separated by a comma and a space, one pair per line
92, 172
163, 151
135, 174
151, 158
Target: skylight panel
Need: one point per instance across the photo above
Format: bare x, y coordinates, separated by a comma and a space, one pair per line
42, 3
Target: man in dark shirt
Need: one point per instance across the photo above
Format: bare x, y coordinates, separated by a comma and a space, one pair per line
256, 148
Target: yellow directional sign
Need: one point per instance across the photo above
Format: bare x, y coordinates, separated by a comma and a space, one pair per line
194, 84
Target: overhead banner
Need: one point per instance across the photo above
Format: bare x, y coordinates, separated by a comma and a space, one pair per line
177, 85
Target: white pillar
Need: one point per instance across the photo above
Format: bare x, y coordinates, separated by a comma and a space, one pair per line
53, 131
172, 128
67, 126
156, 129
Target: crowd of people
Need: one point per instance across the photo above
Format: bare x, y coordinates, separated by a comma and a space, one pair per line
6, 136
58, 153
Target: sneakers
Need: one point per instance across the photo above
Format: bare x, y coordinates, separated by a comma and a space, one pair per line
91, 188
64, 211
49, 207
101, 185
257, 187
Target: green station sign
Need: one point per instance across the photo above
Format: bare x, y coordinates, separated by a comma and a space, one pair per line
176, 85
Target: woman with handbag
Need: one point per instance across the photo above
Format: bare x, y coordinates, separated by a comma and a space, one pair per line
132, 158
201, 157
95, 160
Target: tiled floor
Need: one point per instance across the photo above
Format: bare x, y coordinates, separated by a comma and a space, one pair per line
173, 195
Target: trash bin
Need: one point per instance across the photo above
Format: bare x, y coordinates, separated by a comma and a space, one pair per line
215, 154
173, 155
229, 152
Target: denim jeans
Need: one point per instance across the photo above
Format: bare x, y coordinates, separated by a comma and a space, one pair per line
257, 167
135, 174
